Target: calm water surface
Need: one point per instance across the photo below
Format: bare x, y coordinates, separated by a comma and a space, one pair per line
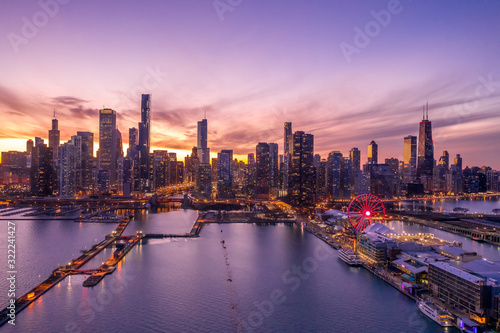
197, 285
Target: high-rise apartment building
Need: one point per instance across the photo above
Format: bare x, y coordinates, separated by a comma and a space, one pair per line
107, 143
87, 158
225, 174
302, 178
263, 170
410, 151
372, 153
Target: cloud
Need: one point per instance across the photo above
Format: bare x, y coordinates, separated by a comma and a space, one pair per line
81, 113
68, 100
12, 101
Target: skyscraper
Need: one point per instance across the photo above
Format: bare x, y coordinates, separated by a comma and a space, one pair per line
29, 146
444, 160
119, 144
204, 179
204, 175
345, 177
191, 165
42, 170
203, 152
355, 157
355, 176
29, 151
107, 143
225, 174
273, 165
87, 158
287, 138
302, 178
287, 152
54, 137
372, 153
249, 181
144, 142
133, 141
161, 176
425, 146
410, 151
263, 171
70, 166
459, 175
334, 176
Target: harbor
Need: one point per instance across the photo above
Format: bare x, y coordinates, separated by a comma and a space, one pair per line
406, 269
73, 267
203, 219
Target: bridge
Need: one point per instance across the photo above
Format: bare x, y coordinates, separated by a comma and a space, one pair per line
189, 235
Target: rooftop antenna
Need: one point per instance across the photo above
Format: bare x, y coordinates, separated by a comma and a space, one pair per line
423, 112
427, 110
54, 113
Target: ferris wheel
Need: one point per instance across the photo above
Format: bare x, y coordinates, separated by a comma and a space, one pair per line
364, 210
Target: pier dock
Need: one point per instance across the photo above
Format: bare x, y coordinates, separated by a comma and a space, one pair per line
73, 267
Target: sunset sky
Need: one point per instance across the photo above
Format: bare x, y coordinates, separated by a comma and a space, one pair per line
253, 65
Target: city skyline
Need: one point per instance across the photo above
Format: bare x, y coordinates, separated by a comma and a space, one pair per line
241, 157
249, 84
250, 166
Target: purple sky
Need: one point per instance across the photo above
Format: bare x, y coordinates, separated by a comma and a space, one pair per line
263, 63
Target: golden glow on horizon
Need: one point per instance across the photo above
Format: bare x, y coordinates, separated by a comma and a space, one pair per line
20, 145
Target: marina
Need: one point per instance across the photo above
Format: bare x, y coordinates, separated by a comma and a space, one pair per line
71, 268
405, 268
203, 220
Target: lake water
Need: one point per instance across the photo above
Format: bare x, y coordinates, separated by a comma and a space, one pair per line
446, 205
272, 278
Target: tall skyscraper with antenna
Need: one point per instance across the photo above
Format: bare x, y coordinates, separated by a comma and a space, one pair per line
203, 151
287, 152
54, 137
425, 146
204, 175
145, 142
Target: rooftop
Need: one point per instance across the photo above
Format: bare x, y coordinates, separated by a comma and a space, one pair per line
446, 249
458, 272
415, 268
378, 228
489, 269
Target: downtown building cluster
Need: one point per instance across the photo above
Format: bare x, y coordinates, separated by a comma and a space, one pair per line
296, 174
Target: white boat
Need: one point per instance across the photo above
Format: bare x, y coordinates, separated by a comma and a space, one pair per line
350, 257
434, 312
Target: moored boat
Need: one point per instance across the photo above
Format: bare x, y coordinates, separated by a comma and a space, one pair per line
436, 313
350, 257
